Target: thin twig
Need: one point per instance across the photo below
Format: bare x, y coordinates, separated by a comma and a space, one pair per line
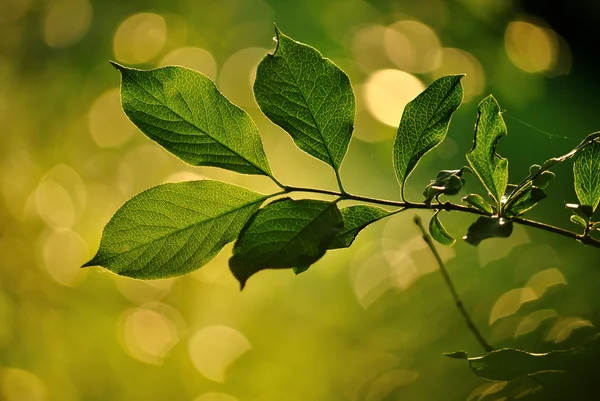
427, 238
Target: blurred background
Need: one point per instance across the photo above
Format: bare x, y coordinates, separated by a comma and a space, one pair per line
369, 323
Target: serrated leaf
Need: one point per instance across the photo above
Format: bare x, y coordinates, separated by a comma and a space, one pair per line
511, 364
525, 200
575, 219
478, 203
488, 227
285, 234
586, 171
356, 218
173, 229
184, 112
438, 231
424, 123
491, 168
309, 97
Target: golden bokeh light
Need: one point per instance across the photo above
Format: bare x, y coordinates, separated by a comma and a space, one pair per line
540, 282
66, 22
457, 61
531, 47
20, 179
532, 321
564, 327
14, 9
148, 334
481, 392
510, 302
214, 348
490, 251
368, 47
387, 92
107, 123
412, 46
215, 397
387, 382
21, 385
238, 73
140, 38
60, 197
141, 292
62, 253
195, 58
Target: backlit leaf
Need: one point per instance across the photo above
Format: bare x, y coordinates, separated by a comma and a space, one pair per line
174, 228
309, 97
525, 200
285, 234
491, 169
438, 231
355, 219
183, 111
424, 123
586, 171
477, 202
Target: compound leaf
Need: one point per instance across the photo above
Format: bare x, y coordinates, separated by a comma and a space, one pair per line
285, 234
173, 229
438, 231
586, 171
488, 227
491, 169
424, 123
511, 364
309, 97
355, 219
184, 112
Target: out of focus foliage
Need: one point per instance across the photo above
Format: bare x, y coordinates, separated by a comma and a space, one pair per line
369, 323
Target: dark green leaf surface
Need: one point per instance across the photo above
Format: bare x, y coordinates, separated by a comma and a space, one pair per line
511, 364
183, 111
477, 202
175, 228
524, 201
488, 227
586, 171
424, 123
447, 182
491, 169
355, 219
309, 97
285, 234
438, 231
575, 219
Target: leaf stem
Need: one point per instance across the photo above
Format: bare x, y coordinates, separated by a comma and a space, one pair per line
448, 206
427, 238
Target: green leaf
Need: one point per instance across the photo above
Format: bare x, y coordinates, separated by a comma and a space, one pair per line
309, 97
448, 182
355, 219
477, 202
183, 111
298, 270
424, 123
285, 234
583, 211
173, 229
511, 364
438, 231
542, 180
586, 171
575, 219
488, 227
491, 169
525, 200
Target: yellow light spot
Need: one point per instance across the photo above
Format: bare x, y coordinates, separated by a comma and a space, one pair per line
510, 302
489, 250
412, 46
563, 328
238, 73
368, 47
484, 390
20, 385
145, 166
193, 57
21, 177
215, 397
148, 334
63, 253
457, 61
371, 279
214, 348
533, 320
66, 22
389, 381
540, 282
107, 123
13, 10
144, 291
140, 38
530, 47
387, 92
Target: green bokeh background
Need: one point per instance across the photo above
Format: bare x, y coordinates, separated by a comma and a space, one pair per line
368, 323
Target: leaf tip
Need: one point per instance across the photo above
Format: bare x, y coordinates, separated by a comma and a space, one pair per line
90, 263
117, 66
457, 355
